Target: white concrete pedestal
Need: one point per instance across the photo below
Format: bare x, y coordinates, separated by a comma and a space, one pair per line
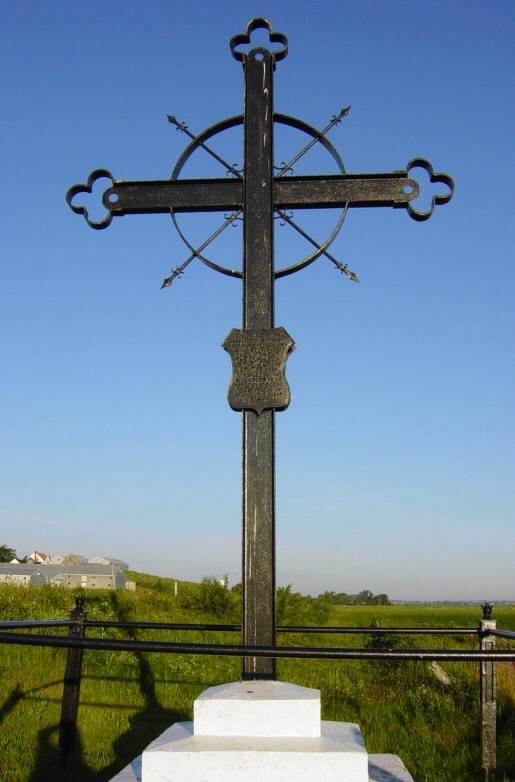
261, 731
262, 709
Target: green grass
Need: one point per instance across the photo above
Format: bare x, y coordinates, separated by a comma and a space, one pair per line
127, 699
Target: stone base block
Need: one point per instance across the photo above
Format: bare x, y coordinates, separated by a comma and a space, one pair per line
258, 708
261, 731
337, 755
381, 768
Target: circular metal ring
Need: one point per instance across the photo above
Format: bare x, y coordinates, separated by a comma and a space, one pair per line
232, 122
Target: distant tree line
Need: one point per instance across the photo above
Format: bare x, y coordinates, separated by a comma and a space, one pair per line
213, 597
363, 598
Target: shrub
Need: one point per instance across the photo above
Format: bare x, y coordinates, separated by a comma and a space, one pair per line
213, 597
292, 608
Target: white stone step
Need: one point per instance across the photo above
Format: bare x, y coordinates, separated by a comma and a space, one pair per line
178, 755
258, 708
381, 768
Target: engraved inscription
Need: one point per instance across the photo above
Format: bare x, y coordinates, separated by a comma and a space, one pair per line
258, 363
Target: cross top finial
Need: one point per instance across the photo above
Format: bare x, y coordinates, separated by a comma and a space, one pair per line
244, 40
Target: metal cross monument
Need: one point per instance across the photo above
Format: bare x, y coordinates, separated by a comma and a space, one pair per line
259, 350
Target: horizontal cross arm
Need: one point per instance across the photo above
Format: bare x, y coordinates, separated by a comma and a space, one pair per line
308, 192
299, 192
181, 195
395, 189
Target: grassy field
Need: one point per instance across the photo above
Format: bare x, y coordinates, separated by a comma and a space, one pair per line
127, 699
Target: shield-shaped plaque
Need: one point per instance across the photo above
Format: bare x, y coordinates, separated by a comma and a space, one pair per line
258, 363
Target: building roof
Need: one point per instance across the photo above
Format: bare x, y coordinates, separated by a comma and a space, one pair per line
51, 571
21, 568
73, 559
109, 561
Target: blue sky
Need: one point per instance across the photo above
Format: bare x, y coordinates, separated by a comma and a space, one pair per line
395, 459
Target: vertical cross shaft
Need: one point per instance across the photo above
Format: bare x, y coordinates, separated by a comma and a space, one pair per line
258, 313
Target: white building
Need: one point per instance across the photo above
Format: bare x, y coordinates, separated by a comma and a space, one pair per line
70, 576
39, 557
21, 574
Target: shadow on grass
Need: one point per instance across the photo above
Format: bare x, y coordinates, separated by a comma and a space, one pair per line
12, 701
147, 723
48, 760
18, 695
145, 726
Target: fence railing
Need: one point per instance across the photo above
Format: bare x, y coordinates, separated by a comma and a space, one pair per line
487, 655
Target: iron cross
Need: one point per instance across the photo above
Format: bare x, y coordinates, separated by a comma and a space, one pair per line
259, 350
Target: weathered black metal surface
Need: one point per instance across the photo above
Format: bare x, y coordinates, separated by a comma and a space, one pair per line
298, 192
340, 189
242, 39
258, 549
259, 360
77, 190
436, 200
395, 189
182, 195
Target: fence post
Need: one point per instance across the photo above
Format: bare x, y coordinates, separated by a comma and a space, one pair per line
71, 689
488, 686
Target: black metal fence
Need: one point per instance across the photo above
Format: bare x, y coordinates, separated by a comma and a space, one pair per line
487, 655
